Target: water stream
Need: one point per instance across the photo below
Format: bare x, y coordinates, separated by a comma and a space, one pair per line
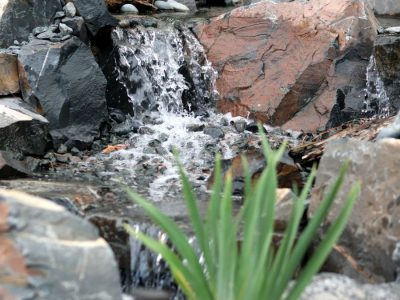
377, 102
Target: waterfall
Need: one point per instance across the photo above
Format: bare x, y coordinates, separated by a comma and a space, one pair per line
377, 102
163, 69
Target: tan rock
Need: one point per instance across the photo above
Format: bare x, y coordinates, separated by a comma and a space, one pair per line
365, 249
281, 62
8, 74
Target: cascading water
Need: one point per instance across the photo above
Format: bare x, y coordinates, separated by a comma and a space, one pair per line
377, 103
163, 69
170, 86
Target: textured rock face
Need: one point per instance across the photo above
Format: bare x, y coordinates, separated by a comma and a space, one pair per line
64, 81
285, 67
95, 14
21, 129
385, 7
10, 167
365, 249
19, 17
332, 286
48, 253
9, 83
387, 57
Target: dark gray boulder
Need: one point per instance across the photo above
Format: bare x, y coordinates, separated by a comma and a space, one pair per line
19, 17
95, 14
21, 129
49, 253
65, 82
385, 7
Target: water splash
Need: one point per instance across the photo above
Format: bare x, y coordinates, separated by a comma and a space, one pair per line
163, 69
377, 102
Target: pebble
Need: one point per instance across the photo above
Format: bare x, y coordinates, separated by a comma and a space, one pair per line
171, 5
38, 30
70, 10
393, 30
65, 30
129, 8
62, 149
214, 132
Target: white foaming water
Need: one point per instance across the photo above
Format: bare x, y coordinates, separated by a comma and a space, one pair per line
377, 100
166, 73
175, 131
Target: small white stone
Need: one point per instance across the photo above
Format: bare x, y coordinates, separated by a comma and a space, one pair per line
129, 8
393, 29
171, 4
70, 10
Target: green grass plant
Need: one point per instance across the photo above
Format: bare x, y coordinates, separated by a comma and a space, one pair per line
255, 269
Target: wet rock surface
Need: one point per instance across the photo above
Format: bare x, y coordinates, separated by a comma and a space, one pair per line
155, 65
38, 240
299, 59
22, 130
365, 249
387, 56
64, 82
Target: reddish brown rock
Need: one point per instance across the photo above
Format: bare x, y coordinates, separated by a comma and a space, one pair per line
282, 63
365, 249
9, 83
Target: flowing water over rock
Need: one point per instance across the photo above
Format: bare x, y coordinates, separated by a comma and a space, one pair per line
377, 103
170, 85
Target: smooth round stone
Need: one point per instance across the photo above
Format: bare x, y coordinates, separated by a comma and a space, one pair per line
129, 8
171, 4
395, 30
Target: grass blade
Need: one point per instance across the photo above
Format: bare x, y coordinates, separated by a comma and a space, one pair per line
196, 220
313, 225
177, 237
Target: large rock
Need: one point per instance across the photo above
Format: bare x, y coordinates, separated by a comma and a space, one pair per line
19, 17
48, 253
385, 7
64, 81
387, 57
283, 63
338, 287
21, 129
95, 14
9, 83
365, 249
